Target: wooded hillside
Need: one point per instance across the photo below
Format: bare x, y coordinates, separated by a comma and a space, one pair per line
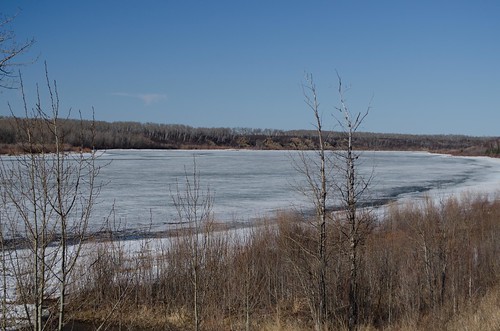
134, 135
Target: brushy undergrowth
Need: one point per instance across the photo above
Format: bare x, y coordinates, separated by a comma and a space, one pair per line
427, 265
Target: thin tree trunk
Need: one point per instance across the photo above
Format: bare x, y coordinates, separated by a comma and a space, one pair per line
356, 228
320, 195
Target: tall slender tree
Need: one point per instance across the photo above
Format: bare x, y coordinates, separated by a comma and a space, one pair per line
355, 224
315, 169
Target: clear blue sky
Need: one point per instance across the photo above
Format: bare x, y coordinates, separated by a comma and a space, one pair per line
430, 66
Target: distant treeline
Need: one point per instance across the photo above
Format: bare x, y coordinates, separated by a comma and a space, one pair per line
133, 135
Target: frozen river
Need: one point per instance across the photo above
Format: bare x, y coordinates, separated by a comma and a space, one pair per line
249, 184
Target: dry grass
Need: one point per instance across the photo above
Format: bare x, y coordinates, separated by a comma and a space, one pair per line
485, 316
144, 318
279, 325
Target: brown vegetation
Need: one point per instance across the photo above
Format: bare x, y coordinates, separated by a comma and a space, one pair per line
426, 265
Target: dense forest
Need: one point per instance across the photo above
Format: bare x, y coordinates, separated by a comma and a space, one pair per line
134, 135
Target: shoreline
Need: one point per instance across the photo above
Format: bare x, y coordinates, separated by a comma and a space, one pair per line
14, 150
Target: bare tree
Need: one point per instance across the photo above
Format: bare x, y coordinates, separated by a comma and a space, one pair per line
354, 224
324, 172
194, 208
316, 169
10, 50
48, 195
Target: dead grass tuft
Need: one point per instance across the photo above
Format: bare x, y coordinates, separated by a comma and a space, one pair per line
273, 325
482, 317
